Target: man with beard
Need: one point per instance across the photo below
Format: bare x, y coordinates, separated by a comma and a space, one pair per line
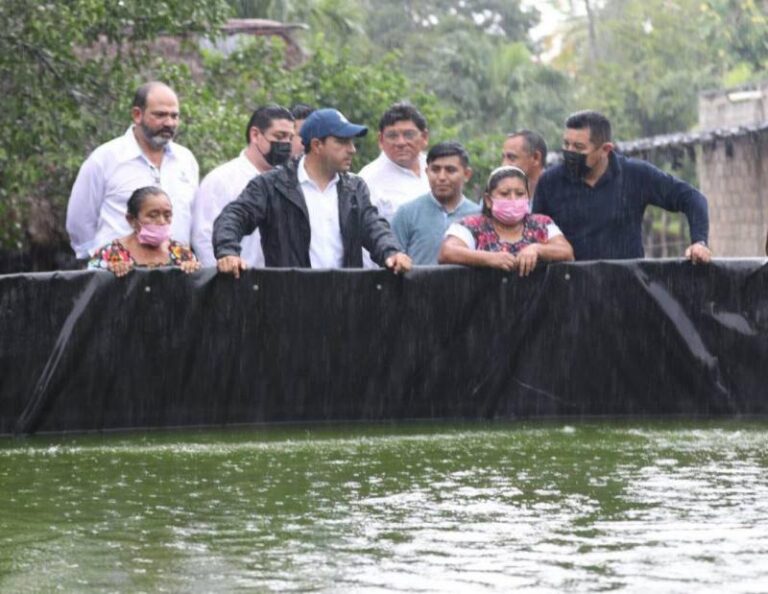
144, 156
269, 136
598, 197
312, 213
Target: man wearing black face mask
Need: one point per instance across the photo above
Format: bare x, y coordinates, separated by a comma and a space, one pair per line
598, 197
268, 135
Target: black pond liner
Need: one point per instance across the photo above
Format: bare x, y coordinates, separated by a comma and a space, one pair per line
85, 351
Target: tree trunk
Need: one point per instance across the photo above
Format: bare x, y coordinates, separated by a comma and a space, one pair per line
593, 50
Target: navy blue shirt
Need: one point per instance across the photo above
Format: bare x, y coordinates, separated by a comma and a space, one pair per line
604, 222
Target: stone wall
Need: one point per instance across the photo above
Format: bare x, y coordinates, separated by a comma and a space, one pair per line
733, 172
734, 107
733, 175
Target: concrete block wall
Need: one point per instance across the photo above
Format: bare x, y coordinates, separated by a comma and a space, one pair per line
733, 108
734, 182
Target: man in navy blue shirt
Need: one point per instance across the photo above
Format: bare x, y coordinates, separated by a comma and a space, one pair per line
597, 197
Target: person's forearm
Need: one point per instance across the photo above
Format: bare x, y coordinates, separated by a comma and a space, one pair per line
677, 195
697, 213
454, 254
556, 251
238, 219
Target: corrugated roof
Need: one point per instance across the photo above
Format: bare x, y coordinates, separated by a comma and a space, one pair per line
684, 140
259, 26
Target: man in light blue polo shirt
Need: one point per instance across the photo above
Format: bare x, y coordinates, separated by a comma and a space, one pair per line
421, 223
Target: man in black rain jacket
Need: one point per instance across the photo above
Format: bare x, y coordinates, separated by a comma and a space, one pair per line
312, 213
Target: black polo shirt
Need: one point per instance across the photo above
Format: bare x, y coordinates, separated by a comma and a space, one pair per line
604, 222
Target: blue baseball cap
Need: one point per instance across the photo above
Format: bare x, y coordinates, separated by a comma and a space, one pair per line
329, 122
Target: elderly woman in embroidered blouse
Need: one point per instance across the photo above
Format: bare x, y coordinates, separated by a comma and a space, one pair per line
150, 245
505, 235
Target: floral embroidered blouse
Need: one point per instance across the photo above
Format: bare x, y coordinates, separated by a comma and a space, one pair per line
117, 252
478, 233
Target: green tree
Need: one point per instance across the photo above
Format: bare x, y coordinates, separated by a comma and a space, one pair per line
473, 56
63, 102
65, 67
644, 66
338, 20
217, 108
644, 63
742, 28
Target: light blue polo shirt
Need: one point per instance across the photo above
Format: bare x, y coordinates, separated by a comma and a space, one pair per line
421, 224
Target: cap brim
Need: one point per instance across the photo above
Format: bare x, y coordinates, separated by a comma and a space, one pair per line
350, 131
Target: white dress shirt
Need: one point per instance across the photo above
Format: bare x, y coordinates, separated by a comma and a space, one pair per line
392, 186
220, 187
326, 249
108, 177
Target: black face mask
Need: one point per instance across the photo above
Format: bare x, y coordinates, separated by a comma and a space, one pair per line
279, 153
575, 165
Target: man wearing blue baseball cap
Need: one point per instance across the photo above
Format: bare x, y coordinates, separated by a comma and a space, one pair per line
312, 213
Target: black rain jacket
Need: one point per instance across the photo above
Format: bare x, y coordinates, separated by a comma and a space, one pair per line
275, 204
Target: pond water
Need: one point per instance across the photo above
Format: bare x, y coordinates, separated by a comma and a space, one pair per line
549, 506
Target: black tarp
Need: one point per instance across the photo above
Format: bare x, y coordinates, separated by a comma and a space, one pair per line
87, 351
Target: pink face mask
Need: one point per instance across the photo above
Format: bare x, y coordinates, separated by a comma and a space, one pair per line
510, 212
153, 235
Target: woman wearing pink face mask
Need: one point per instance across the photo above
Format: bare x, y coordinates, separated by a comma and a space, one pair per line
506, 235
150, 244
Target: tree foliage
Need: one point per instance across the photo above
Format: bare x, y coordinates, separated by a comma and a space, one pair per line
69, 76
65, 67
216, 109
647, 61
68, 70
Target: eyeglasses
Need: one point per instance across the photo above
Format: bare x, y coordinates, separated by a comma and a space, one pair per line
393, 135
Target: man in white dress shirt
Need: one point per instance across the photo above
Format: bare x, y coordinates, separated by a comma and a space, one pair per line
312, 213
144, 156
268, 135
398, 174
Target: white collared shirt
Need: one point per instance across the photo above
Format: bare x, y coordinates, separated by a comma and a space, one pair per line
326, 249
220, 187
108, 177
391, 186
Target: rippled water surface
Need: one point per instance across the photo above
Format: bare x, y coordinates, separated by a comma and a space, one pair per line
638, 507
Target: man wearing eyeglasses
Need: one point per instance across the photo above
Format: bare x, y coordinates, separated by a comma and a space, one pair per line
144, 156
398, 174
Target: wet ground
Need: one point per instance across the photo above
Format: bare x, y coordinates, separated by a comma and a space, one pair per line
540, 507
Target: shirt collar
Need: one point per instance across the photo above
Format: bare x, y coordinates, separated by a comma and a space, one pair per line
247, 164
405, 170
132, 149
439, 205
304, 178
610, 172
